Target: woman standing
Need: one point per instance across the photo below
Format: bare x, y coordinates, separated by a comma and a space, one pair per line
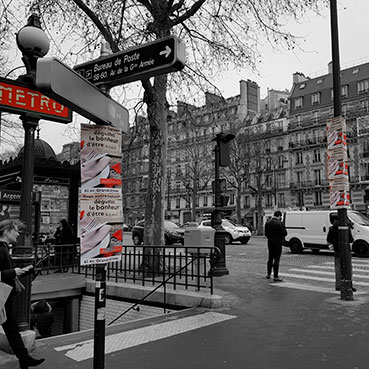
65, 244
9, 232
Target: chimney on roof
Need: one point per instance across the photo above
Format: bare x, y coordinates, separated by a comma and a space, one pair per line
298, 77
330, 67
249, 99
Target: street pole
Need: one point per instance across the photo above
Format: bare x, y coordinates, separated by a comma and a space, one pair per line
99, 329
216, 219
343, 235
34, 44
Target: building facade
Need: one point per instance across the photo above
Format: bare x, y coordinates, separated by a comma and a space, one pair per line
283, 142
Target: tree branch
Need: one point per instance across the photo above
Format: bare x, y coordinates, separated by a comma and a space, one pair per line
100, 26
189, 13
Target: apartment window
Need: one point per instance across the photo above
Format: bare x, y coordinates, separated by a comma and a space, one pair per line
281, 199
281, 180
178, 186
315, 98
281, 161
299, 157
269, 200
178, 202
247, 202
300, 199
205, 201
316, 117
268, 180
299, 176
318, 198
280, 144
268, 163
298, 120
317, 156
302, 86
231, 198
344, 110
344, 90
317, 177
298, 102
363, 86
197, 201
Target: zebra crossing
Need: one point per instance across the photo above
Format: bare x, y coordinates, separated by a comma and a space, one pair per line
321, 278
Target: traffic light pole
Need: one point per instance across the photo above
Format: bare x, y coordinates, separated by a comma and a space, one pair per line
216, 220
343, 235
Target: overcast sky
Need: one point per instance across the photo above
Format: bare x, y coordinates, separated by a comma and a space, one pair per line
276, 70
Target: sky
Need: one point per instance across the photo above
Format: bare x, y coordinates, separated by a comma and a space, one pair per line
277, 67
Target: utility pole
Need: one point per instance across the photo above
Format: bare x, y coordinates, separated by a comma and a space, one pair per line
343, 235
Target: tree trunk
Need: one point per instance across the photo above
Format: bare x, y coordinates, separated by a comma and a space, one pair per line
154, 211
238, 205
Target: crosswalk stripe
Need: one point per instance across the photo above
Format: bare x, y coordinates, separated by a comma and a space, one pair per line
309, 287
84, 350
365, 276
322, 279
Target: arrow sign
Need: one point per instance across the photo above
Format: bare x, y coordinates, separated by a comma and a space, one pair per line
166, 52
162, 56
64, 85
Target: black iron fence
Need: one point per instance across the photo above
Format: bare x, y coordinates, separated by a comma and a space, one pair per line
179, 267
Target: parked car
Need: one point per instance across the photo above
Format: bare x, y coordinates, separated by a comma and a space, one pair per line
127, 227
234, 232
172, 233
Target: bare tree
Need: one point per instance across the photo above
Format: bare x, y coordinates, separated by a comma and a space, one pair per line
196, 175
220, 34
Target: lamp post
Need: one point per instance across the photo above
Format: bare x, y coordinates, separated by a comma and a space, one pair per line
221, 151
33, 43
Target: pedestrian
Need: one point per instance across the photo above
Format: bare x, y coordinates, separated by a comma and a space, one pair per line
9, 231
333, 238
275, 231
65, 244
41, 318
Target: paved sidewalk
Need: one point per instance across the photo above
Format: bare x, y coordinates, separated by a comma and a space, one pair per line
261, 325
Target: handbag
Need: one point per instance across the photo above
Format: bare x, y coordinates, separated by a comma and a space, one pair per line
5, 290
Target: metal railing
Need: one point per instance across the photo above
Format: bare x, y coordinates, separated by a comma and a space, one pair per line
188, 268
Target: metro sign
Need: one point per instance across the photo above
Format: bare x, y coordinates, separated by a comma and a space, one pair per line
140, 62
17, 98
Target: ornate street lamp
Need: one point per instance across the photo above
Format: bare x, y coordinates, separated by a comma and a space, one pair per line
34, 44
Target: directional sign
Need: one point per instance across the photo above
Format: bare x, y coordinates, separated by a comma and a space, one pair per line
18, 98
61, 83
144, 61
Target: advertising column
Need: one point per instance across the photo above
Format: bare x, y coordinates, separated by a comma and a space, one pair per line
101, 213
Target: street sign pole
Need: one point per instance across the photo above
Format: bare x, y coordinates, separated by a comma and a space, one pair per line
100, 313
343, 235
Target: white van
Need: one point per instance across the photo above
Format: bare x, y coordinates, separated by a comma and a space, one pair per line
309, 229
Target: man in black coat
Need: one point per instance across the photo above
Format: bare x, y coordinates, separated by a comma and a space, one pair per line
275, 231
9, 232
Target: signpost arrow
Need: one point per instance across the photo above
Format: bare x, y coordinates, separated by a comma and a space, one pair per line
64, 85
140, 62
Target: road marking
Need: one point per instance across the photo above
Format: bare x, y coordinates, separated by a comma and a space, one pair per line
84, 350
322, 279
309, 287
322, 272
